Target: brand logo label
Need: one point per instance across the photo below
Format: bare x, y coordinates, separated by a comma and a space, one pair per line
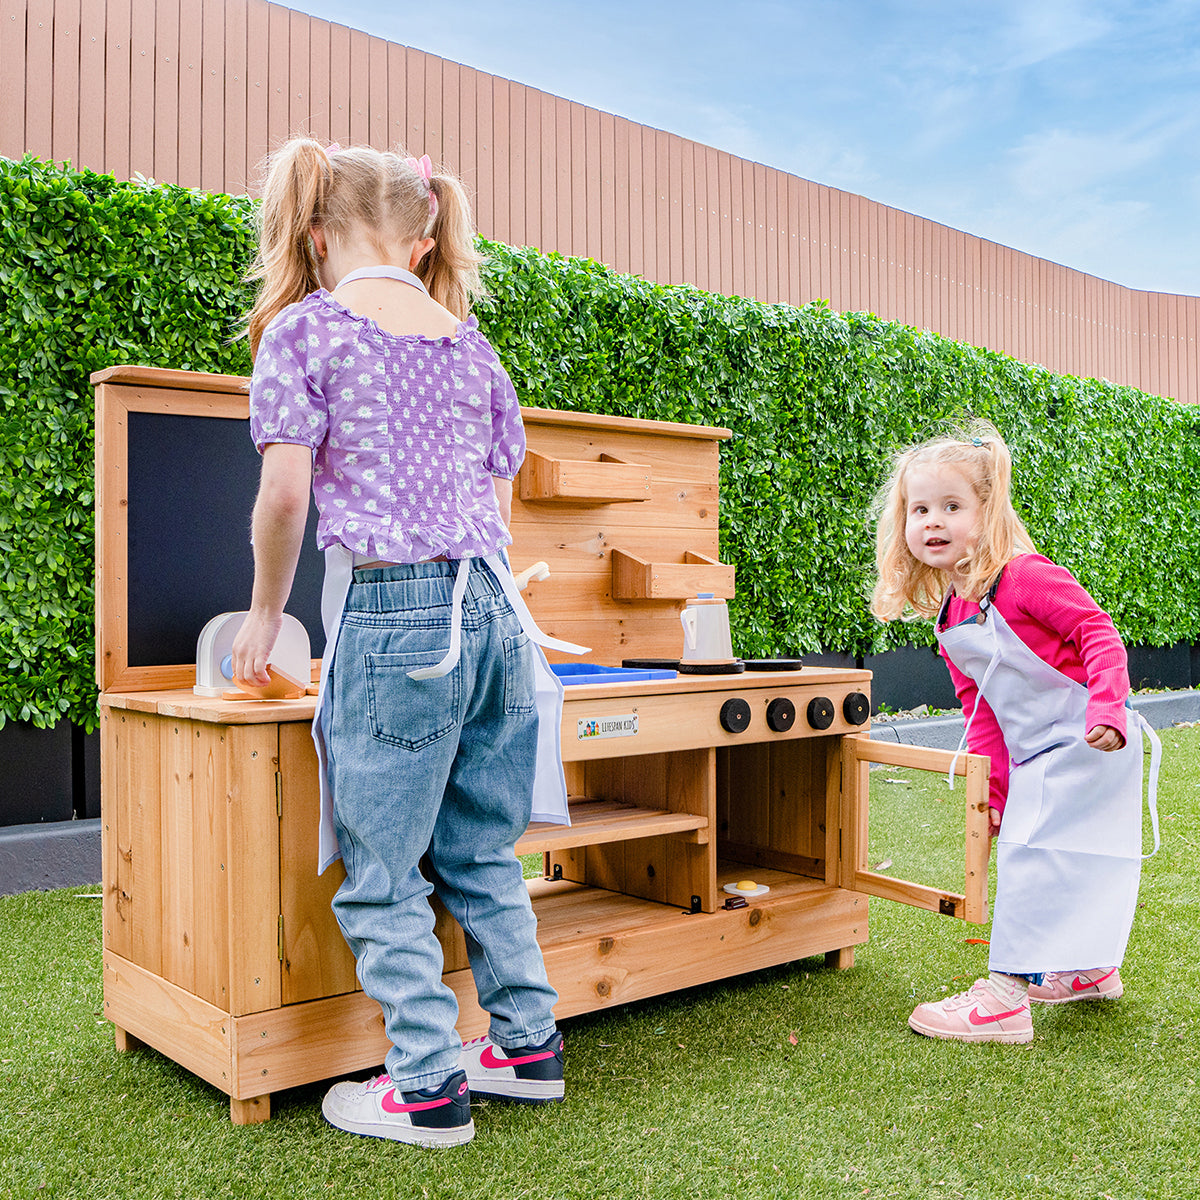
607, 727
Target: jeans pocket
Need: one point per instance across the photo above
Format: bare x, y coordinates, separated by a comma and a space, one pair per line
519, 696
410, 713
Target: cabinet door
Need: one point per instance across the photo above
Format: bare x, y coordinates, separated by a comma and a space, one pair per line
859, 754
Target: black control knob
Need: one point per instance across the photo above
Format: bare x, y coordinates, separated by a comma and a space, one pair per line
856, 708
820, 712
781, 714
735, 716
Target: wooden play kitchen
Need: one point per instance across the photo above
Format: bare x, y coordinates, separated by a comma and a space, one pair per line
220, 949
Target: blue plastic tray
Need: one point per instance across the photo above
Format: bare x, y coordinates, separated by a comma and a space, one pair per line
573, 673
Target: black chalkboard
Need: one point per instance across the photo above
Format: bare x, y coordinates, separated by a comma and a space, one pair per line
191, 484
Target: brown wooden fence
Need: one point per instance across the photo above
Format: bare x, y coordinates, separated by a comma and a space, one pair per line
195, 91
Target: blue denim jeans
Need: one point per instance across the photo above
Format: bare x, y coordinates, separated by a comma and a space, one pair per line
442, 767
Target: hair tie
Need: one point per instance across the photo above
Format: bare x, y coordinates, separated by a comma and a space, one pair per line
424, 167
977, 442
331, 149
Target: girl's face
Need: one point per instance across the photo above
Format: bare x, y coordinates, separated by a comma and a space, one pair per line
942, 516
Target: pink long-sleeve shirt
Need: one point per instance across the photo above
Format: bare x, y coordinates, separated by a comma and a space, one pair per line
1056, 618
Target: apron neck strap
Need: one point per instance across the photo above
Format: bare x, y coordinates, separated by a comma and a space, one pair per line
385, 271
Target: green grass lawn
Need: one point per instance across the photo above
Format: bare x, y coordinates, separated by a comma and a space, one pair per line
793, 1082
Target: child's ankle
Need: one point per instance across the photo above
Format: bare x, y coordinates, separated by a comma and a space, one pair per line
1011, 987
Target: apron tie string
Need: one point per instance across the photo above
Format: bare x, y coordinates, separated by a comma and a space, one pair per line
993, 663
450, 660
1152, 790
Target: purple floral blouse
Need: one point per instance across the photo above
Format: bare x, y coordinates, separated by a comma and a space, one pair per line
406, 431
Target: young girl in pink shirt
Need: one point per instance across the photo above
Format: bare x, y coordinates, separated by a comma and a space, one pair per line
1042, 676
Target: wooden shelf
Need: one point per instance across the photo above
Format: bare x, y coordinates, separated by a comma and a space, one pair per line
634, 578
596, 821
608, 480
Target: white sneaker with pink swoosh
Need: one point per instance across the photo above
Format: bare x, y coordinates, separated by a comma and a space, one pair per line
528, 1074
980, 1014
1064, 987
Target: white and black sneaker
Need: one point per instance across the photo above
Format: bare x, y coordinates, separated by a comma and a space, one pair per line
431, 1117
528, 1074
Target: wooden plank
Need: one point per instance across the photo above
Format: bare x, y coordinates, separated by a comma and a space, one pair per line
500, 162
174, 785
978, 840
643, 780
209, 850
237, 168
296, 90
339, 84
317, 119
300, 1043
397, 96
377, 103
211, 66
14, 60
558, 187
316, 959
142, 15
595, 821
896, 754
691, 866
467, 153
792, 798
646, 263
634, 578
605, 481
359, 108
684, 720
633, 205
258, 140
165, 53
115, 817
745, 774
671, 207
484, 182
623, 185
89, 150
190, 64
434, 115
768, 240
188, 1030
590, 176
137, 888
253, 868
530, 181
64, 81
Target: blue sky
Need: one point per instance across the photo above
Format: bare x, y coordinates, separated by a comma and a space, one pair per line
1069, 129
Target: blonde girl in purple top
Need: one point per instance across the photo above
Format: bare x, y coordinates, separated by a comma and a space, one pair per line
373, 386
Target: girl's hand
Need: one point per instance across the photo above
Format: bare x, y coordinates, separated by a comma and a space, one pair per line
1104, 737
253, 645
993, 822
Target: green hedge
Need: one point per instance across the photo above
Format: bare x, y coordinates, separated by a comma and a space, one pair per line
96, 272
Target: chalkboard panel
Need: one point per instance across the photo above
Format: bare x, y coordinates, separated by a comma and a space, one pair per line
191, 485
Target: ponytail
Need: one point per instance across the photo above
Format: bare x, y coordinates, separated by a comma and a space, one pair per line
297, 184
358, 191
451, 269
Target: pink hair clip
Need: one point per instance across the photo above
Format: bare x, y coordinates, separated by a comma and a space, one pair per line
332, 149
424, 167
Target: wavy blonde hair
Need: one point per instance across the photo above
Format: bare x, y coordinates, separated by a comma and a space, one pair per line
905, 587
362, 191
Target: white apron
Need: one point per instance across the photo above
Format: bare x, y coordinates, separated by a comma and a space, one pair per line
549, 785
1069, 852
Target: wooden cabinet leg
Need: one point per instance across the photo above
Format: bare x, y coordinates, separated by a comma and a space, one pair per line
840, 960
126, 1041
250, 1112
